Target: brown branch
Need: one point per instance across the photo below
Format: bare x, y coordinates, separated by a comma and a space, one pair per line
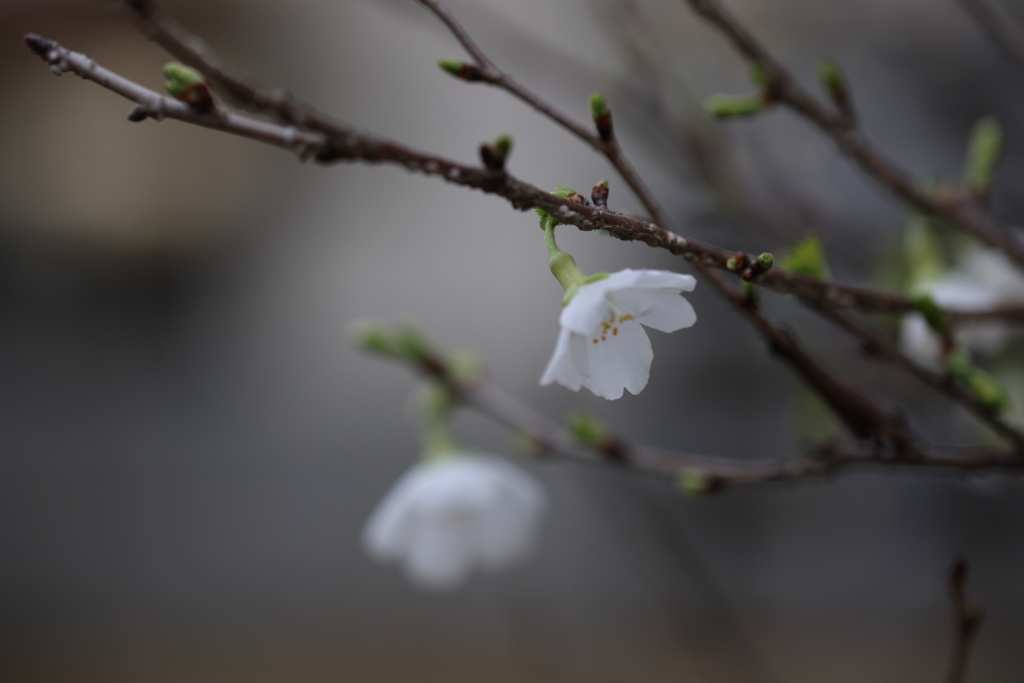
1004, 31
784, 88
967, 618
551, 438
609, 148
861, 415
878, 346
339, 143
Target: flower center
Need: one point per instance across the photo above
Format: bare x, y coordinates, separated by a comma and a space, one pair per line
610, 325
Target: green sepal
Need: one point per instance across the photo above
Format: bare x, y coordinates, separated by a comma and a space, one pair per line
807, 258
934, 315
595, 277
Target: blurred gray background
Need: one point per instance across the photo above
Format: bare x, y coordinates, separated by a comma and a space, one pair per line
190, 445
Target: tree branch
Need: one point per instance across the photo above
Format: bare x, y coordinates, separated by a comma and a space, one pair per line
552, 439
1004, 31
967, 618
785, 89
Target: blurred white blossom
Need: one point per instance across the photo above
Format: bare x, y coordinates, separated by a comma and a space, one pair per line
450, 515
602, 345
984, 279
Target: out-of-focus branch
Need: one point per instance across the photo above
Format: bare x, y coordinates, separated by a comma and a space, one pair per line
967, 618
551, 438
878, 346
609, 147
784, 88
1004, 31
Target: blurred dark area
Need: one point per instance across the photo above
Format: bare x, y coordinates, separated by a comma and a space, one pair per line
191, 446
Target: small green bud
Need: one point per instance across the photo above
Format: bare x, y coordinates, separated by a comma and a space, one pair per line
831, 75
564, 192
732, 264
180, 77
923, 252
465, 366
732, 106
807, 258
370, 335
186, 84
958, 365
695, 483
988, 391
503, 144
452, 66
602, 116
983, 154
934, 315
766, 261
495, 154
587, 430
463, 70
411, 345
760, 75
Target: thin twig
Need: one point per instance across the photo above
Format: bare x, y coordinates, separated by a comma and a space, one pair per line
1004, 31
610, 148
348, 145
967, 618
878, 346
785, 88
551, 438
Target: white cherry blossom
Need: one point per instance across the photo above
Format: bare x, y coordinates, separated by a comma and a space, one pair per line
450, 515
983, 279
602, 345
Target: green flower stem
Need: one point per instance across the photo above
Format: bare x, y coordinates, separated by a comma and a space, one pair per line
563, 265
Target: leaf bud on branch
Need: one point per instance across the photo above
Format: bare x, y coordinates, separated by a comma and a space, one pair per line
462, 70
602, 116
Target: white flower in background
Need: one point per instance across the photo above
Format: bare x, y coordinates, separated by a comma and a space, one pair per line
602, 345
450, 515
984, 279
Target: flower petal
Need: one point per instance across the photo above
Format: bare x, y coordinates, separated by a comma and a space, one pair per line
621, 360
568, 364
661, 309
390, 528
439, 556
661, 279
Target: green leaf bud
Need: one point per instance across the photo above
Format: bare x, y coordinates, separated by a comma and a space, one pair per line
807, 258
983, 153
766, 261
598, 106
186, 84
760, 75
732, 106
370, 335
587, 430
696, 483
411, 345
934, 315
